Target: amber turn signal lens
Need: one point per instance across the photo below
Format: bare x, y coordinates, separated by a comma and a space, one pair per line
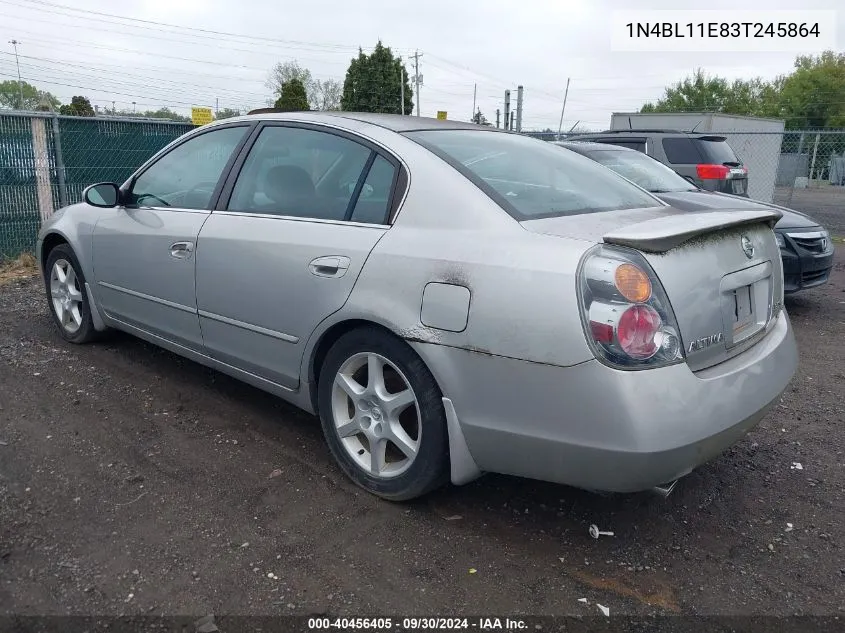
632, 283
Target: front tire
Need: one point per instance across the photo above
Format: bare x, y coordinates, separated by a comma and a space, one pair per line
66, 296
382, 415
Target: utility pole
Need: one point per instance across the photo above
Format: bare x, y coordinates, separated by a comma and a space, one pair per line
14, 44
474, 92
565, 94
216, 106
133, 107
513, 116
498, 113
417, 77
519, 108
402, 88
113, 110
507, 109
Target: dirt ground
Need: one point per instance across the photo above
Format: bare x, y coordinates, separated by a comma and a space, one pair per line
132, 481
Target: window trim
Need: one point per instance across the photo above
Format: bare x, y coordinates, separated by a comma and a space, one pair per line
126, 187
398, 188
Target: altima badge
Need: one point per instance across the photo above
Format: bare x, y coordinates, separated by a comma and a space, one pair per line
704, 343
747, 247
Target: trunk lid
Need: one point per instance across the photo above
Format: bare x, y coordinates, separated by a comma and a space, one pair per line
721, 269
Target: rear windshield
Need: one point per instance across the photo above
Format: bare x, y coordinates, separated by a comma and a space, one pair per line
717, 151
643, 170
530, 178
691, 151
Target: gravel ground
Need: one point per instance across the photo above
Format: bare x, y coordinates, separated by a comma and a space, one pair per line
132, 481
826, 205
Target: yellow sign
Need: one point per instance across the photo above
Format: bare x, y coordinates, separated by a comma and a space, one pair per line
201, 116
441, 114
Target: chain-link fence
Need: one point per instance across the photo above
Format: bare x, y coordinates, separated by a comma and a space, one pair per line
47, 160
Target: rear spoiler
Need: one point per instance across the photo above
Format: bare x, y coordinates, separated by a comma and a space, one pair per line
663, 234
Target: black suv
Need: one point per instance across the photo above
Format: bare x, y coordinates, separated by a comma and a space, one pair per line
704, 159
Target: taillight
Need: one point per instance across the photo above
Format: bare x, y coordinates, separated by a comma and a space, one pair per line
626, 314
637, 328
712, 172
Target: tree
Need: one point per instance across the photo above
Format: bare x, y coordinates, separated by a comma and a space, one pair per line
702, 93
327, 95
33, 98
227, 113
78, 106
293, 97
162, 113
283, 72
322, 95
479, 118
374, 83
813, 95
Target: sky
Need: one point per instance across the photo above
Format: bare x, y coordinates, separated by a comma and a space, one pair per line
466, 48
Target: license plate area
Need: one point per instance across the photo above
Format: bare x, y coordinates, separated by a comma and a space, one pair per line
743, 310
746, 303
738, 185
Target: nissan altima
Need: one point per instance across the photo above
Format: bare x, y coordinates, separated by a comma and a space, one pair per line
449, 299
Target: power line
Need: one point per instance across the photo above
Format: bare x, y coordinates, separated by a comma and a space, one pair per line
206, 32
124, 94
145, 36
175, 82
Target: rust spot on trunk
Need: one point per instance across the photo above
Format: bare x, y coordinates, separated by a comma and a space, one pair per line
662, 597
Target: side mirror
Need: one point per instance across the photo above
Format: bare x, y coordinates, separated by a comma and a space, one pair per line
104, 194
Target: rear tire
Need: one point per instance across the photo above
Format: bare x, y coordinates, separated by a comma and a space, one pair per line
67, 296
382, 415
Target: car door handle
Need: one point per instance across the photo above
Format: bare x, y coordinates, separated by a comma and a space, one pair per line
329, 266
181, 250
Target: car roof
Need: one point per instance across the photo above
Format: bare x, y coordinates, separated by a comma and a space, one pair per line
646, 132
395, 122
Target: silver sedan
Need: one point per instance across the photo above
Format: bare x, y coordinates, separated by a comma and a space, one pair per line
449, 299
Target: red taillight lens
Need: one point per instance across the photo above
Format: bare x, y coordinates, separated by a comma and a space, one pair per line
712, 172
636, 330
602, 332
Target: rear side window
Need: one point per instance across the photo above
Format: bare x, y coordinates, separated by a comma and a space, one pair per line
533, 179
681, 151
374, 199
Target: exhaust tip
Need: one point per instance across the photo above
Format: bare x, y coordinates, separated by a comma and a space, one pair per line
664, 490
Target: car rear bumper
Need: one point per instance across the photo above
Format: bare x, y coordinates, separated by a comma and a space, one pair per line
598, 428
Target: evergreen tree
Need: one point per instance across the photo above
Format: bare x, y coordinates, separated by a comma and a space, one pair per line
374, 83
293, 97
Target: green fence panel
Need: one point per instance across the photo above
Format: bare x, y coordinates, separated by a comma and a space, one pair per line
19, 219
93, 150
107, 150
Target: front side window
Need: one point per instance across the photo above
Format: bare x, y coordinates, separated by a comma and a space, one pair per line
306, 173
647, 172
186, 176
533, 179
